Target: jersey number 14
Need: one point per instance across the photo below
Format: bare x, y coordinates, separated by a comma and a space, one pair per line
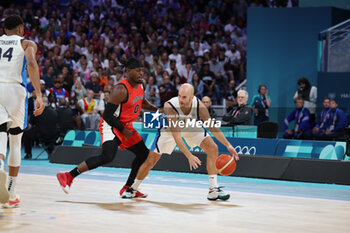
7, 54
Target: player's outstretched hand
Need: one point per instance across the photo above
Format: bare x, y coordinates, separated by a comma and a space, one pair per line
39, 106
127, 133
194, 162
233, 152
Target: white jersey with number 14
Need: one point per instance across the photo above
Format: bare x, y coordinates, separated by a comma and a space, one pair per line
12, 60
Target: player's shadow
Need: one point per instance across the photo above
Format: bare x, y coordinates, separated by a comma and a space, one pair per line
133, 205
188, 208
113, 206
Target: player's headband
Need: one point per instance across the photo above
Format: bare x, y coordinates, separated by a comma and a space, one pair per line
134, 64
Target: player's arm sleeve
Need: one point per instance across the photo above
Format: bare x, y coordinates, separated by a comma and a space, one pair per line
108, 116
118, 96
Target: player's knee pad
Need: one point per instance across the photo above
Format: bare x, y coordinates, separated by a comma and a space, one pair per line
15, 131
3, 127
14, 159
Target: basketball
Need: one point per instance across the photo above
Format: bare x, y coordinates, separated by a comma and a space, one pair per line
225, 164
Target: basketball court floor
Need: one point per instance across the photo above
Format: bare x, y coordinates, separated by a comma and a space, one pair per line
176, 203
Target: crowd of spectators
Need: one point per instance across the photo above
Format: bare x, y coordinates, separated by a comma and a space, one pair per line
81, 43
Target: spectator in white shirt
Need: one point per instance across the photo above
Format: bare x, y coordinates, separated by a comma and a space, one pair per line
175, 55
188, 72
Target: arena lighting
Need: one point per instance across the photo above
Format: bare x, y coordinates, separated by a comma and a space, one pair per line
347, 139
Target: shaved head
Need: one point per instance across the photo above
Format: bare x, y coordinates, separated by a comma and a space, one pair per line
187, 88
186, 93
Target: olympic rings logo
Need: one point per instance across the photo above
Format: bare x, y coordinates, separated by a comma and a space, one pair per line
245, 150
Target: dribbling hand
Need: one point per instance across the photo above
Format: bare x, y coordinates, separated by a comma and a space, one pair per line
39, 106
194, 162
233, 152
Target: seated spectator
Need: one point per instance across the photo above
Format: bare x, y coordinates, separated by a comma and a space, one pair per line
151, 83
44, 91
323, 120
337, 125
52, 100
240, 114
65, 116
103, 101
94, 85
209, 82
43, 127
197, 86
172, 69
49, 77
231, 95
309, 95
218, 69
261, 104
187, 73
90, 117
79, 90
153, 97
75, 107
207, 102
58, 90
102, 79
303, 126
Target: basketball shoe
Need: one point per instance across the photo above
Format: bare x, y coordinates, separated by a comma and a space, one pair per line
4, 193
138, 194
65, 179
12, 202
217, 193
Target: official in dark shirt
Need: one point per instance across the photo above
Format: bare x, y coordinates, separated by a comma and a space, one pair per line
43, 127
240, 114
65, 116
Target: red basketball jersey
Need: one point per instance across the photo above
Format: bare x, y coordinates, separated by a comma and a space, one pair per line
128, 111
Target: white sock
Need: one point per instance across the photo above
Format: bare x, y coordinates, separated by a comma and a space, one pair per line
12, 186
213, 181
2, 164
136, 184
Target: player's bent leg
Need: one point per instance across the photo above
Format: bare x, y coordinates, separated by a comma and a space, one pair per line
150, 162
109, 150
215, 191
211, 149
149, 159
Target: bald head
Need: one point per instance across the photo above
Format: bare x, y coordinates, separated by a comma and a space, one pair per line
206, 101
186, 93
186, 89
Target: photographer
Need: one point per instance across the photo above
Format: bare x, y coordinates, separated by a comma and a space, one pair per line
309, 94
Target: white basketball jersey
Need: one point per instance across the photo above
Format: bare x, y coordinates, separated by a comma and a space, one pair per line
174, 102
12, 60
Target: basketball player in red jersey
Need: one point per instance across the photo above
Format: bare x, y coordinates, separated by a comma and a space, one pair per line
123, 107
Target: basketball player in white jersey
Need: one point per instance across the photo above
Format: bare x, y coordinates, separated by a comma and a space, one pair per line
182, 108
16, 54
